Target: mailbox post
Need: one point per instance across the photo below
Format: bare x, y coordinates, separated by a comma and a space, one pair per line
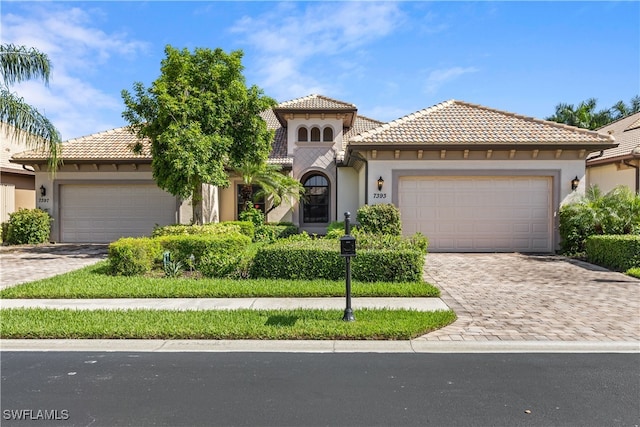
348, 250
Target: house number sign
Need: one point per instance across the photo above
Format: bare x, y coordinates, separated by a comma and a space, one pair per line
379, 195
43, 200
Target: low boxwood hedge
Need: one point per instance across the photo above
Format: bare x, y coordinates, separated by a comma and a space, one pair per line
320, 259
616, 252
182, 247
130, 256
244, 227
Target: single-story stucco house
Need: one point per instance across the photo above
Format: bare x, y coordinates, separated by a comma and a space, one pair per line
17, 182
618, 165
469, 177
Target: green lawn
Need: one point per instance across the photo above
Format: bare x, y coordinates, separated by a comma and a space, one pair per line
239, 324
94, 282
634, 272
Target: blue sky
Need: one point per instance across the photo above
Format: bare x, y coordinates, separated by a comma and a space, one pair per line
390, 59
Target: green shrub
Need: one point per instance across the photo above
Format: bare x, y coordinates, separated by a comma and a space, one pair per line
130, 256
246, 228
616, 212
28, 227
273, 232
320, 259
389, 242
253, 215
182, 247
380, 219
616, 252
231, 266
400, 265
335, 230
290, 259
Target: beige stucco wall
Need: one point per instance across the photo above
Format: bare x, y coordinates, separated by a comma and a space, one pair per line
348, 197
609, 176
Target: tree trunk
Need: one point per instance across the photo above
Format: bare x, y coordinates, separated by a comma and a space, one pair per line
196, 203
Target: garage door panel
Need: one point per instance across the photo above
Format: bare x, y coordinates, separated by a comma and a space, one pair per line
105, 212
479, 213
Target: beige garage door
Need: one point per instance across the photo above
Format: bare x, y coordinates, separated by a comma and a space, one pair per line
479, 214
104, 213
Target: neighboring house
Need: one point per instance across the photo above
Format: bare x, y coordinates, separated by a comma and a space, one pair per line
469, 177
619, 165
17, 182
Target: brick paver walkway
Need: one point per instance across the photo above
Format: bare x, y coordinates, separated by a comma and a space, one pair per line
533, 297
20, 264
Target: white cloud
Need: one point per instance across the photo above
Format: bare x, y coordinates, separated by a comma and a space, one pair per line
303, 51
78, 49
437, 78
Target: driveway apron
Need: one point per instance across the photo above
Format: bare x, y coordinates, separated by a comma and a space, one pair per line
20, 264
515, 296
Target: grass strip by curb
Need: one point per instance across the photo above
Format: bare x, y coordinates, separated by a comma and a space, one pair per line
93, 282
370, 324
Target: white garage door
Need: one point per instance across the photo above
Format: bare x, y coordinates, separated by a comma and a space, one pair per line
101, 213
479, 214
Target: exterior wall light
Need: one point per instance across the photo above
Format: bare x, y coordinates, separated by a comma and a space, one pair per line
380, 183
43, 191
574, 183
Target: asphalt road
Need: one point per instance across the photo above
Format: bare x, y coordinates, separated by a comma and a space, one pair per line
296, 389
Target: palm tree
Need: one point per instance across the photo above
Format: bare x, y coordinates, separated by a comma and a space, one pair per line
17, 64
273, 184
582, 116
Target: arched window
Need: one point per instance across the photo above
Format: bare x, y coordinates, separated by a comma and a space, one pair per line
315, 134
302, 134
327, 134
315, 208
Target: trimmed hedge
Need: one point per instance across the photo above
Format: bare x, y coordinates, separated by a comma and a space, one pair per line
380, 219
130, 255
28, 227
616, 252
244, 227
182, 247
320, 259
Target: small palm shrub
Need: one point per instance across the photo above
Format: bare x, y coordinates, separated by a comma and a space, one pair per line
616, 212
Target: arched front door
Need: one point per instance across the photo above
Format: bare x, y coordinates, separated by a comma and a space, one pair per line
315, 207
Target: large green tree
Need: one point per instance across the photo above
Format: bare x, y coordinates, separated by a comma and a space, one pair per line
584, 115
18, 64
200, 118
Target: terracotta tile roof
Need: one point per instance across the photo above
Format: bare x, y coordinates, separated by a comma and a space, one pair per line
315, 102
111, 145
626, 132
454, 123
278, 153
10, 145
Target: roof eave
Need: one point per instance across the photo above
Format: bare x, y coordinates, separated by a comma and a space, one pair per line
481, 146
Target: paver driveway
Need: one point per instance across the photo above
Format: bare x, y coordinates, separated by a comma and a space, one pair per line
20, 264
533, 297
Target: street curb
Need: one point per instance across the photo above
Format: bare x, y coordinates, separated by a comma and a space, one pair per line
328, 346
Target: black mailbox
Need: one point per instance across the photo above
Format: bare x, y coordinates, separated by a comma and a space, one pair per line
347, 246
